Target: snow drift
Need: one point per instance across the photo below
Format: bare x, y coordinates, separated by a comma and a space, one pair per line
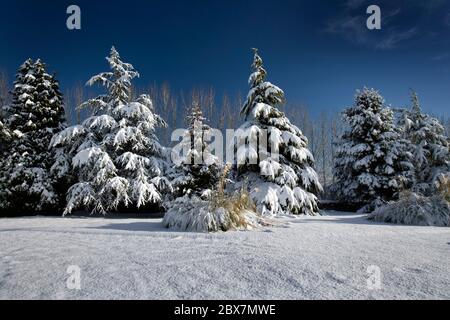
415, 209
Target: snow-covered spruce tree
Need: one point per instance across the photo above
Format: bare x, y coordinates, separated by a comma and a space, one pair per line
35, 115
272, 154
431, 148
372, 161
115, 153
197, 169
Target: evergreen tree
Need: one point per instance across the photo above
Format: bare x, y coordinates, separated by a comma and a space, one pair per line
372, 161
431, 155
197, 170
115, 153
35, 115
272, 154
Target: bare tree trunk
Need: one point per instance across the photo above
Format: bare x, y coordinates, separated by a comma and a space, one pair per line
78, 100
335, 132
235, 113
225, 111
68, 107
323, 146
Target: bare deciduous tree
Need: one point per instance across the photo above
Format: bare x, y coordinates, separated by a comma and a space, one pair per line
73, 98
4, 91
323, 147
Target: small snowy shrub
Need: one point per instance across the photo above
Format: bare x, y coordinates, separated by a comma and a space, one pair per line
415, 209
239, 207
220, 212
192, 214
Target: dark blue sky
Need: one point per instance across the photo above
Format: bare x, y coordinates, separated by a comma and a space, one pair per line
319, 52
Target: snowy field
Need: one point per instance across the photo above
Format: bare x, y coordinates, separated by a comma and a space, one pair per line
305, 258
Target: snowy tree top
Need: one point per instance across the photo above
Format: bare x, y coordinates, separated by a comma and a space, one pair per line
415, 102
195, 115
36, 99
261, 91
117, 81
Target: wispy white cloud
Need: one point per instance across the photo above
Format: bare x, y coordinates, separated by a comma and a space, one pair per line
440, 57
351, 25
394, 38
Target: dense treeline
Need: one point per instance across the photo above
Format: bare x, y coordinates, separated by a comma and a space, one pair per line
322, 130
112, 151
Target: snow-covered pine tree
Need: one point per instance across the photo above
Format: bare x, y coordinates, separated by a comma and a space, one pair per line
431, 148
198, 169
115, 153
272, 154
372, 161
35, 115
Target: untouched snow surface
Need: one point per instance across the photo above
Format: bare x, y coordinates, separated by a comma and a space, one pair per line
305, 258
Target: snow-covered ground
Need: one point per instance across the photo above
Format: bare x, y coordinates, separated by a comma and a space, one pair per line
305, 258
